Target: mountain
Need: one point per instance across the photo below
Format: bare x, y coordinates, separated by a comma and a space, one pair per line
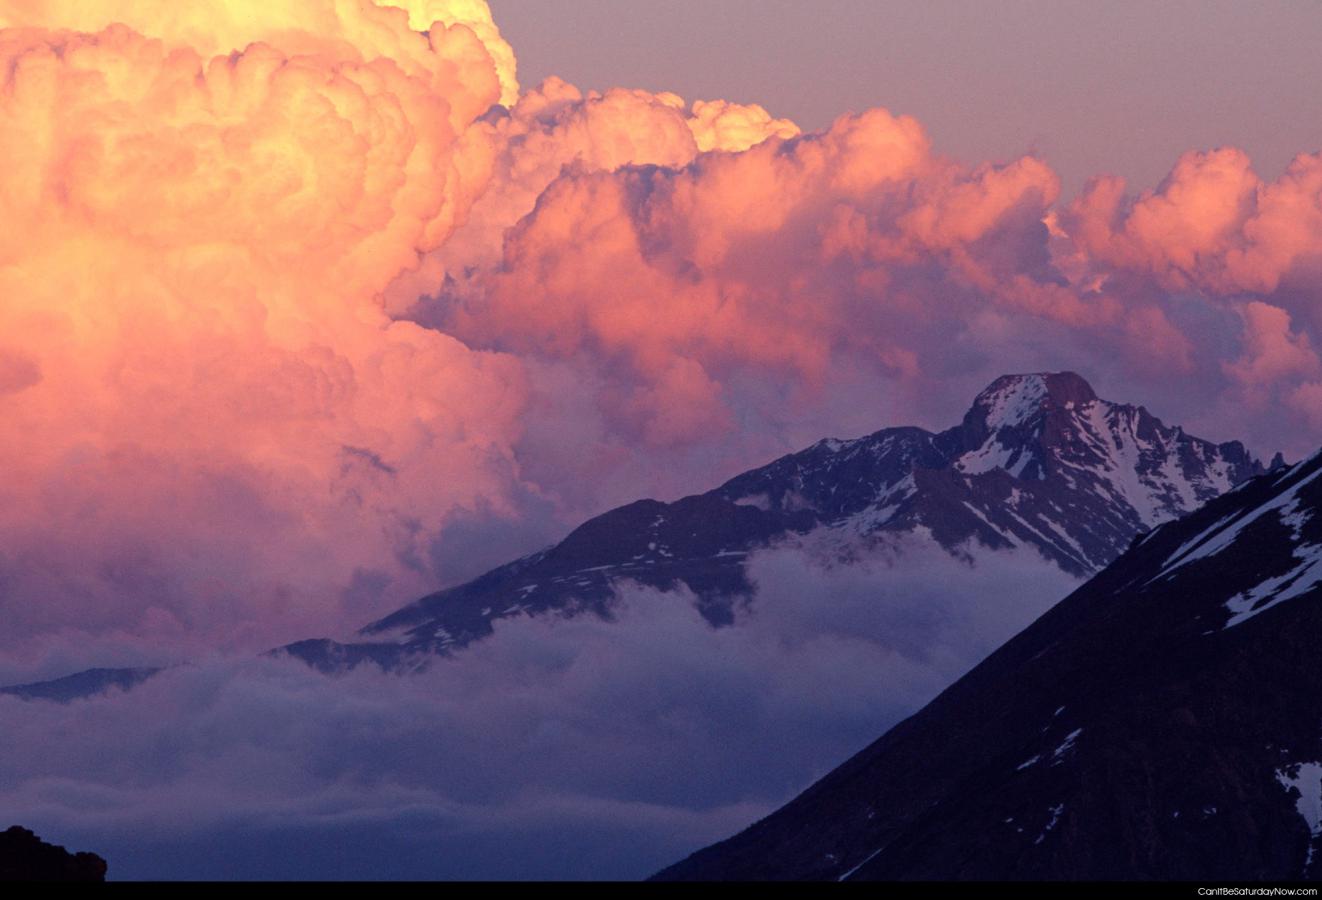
1162, 722
1039, 461
80, 684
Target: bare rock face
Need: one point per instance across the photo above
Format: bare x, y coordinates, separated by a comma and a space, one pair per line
26, 857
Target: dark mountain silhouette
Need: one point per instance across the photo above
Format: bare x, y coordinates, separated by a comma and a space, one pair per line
80, 684
26, 857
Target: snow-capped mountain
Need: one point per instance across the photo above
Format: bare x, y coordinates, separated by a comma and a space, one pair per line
1039, 461
1162, 722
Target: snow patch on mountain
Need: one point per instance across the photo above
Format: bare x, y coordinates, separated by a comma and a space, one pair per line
1058, 755
1305, 779
995, 455
1275, 591
757, 501
1056, 812
1014, 401
1224, 533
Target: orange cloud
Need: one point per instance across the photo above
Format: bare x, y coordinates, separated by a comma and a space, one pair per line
554, 128
1273, 352
399, 30
733, 127
728, 261
202, 382
1212, 225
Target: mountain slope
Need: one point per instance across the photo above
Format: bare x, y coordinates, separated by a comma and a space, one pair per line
1038, 461
81, 684
1162, 722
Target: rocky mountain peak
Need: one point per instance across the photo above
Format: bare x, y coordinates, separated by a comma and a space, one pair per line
1039, 461
1013, 401
1020, 423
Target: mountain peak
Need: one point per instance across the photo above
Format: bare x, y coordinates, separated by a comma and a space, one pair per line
1038, 462
1014, 400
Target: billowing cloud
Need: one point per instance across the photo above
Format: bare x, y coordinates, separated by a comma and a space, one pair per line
1215, 241
1273, 351
1213, 225
554, 128
211, 426
557, 748
399, 30
733, 127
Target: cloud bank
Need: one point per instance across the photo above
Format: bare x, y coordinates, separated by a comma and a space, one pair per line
559, 748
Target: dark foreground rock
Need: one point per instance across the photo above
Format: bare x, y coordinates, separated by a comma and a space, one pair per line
26, 857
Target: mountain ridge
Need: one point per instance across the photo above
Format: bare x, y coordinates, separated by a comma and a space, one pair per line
1039, 460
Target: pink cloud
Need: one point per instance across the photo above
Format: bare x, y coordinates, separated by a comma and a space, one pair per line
1213, 225
192, 257
1273, 352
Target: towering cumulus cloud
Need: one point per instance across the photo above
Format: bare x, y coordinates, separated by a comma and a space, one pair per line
209, 422
213, 432
354, 27
555, 127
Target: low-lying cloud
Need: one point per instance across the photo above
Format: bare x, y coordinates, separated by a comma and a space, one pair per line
558, 748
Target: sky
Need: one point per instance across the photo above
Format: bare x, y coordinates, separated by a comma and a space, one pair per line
1120, 88
309, 308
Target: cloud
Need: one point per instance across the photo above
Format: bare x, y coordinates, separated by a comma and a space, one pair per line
210, 423
399, 30
1212, 225
1273, 352
17, 371
556, 127
734, 127
558, 748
